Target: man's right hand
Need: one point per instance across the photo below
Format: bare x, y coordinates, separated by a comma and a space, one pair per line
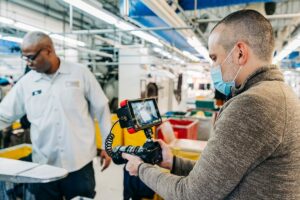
167, 161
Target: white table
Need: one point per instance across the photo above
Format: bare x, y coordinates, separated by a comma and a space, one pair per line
17, 171
188, 145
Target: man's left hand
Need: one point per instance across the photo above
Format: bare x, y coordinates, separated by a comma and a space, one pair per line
104, 160
133, 163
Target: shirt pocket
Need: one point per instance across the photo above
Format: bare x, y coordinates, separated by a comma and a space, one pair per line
72, 98
37, 105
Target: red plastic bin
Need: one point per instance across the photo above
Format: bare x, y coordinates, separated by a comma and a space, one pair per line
183, 128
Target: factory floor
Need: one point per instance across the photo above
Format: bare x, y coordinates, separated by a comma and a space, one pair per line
109, 183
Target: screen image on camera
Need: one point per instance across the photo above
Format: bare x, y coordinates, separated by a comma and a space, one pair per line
145, 112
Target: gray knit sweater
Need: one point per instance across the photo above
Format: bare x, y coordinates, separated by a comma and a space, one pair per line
254, 153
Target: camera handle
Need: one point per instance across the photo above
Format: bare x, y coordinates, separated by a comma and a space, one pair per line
148, 133
150, 152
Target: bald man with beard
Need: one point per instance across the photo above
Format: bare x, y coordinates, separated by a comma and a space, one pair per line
61, 100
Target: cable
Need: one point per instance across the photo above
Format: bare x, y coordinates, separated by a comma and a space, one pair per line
150, 152
109, 140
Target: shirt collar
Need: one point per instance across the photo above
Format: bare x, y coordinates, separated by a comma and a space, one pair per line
63, 69
265, 73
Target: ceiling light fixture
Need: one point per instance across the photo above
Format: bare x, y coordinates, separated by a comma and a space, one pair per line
289, 48
5, 20
168, 55
100, 14
67, 40
190, 56
28, 28
147, 37
11, 39
112, 19
196, 44
166, 13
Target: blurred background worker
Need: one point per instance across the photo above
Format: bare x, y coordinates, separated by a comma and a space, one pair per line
61, 100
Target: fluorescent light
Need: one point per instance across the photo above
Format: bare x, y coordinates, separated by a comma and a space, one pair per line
27, 27
168, 55
68, 40
178, 59
157, 50
112, 19
196, 44
11, 39
124, 26
289, 48
190, 56
193, 41
5, 20
147, 37
162, 52
101, 14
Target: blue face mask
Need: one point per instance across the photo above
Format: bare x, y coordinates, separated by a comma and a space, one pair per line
220, 85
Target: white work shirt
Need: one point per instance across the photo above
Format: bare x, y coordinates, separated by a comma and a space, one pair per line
61, 110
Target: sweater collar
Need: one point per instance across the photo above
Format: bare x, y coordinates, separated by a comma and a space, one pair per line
265, 73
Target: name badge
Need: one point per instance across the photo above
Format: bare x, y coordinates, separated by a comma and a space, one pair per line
72, 84
36, 92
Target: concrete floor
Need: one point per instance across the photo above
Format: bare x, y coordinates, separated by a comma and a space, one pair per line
109, 184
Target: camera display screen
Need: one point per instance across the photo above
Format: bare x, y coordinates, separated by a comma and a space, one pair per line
145, 112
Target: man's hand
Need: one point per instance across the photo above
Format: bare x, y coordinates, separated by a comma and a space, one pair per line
133, 163
104, 160
167, 161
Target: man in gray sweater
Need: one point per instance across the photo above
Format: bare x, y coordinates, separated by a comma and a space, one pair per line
255, 149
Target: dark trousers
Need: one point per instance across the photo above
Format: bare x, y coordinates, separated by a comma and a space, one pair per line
78, 183
135, 189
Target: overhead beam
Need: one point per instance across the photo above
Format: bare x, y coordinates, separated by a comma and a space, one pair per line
101, 31
270, 17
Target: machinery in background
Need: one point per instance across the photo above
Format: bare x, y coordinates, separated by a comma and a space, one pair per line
163, 84
151, 91
177, 92
108, 77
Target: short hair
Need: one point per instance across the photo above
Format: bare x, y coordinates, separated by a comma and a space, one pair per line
251, 27
36, 38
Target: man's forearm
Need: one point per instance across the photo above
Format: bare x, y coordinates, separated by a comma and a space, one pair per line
164, 184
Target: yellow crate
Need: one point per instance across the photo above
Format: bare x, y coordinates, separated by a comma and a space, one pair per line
186, 154
135, 139
16, 152
117, 131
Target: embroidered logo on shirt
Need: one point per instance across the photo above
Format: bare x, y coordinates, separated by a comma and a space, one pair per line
36, 92
72, 84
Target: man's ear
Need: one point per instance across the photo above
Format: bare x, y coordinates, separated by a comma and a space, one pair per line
243, 53
49, 49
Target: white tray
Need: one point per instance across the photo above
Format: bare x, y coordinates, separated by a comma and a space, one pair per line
17, 171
